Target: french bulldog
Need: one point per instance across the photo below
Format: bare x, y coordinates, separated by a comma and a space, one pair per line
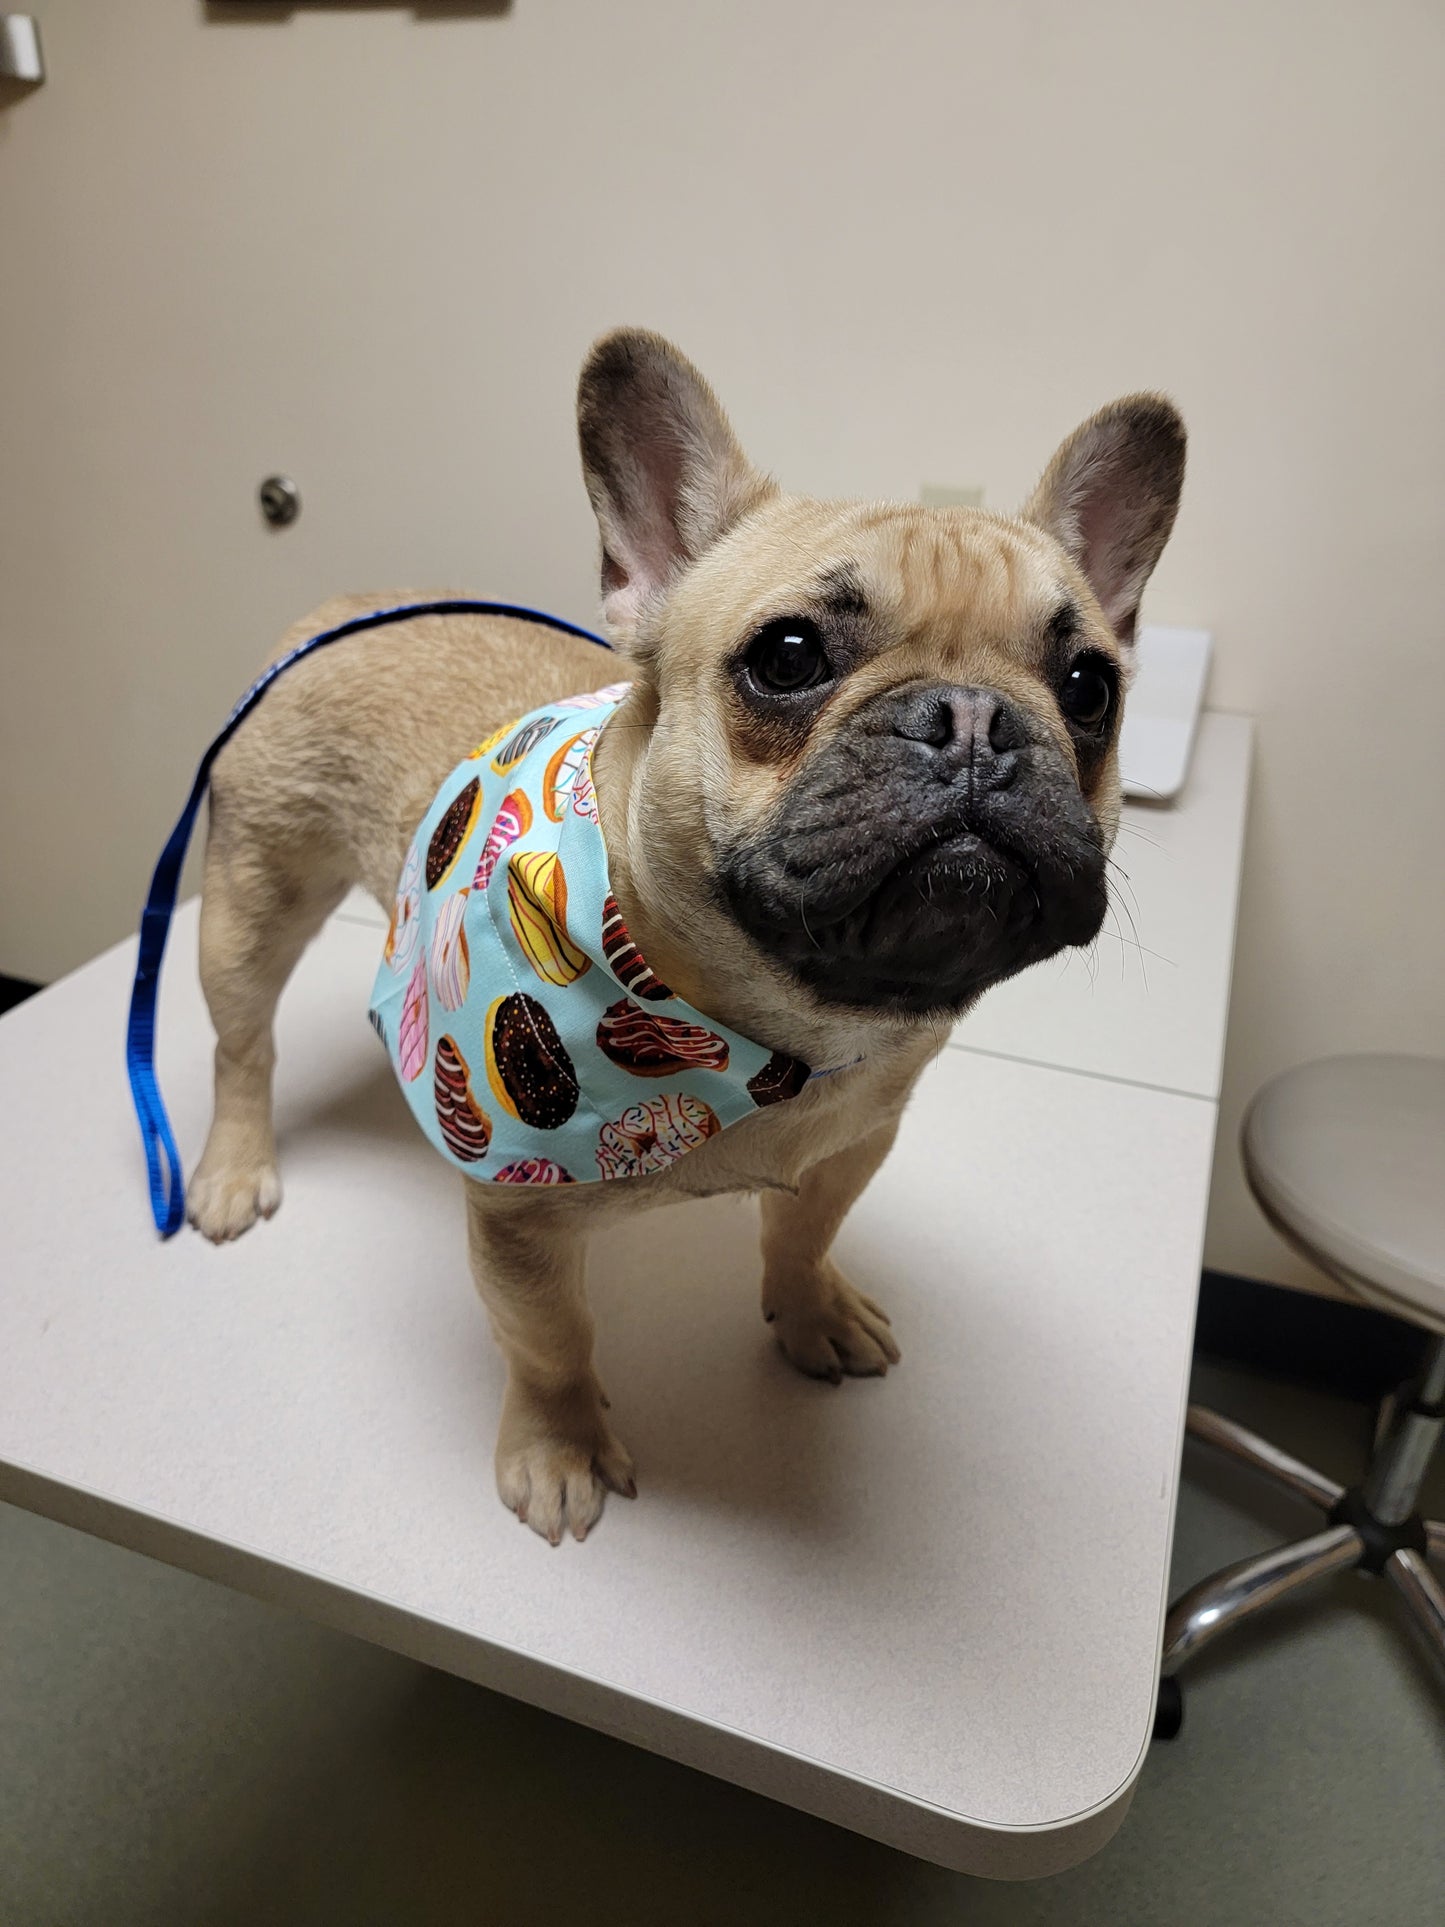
867, 767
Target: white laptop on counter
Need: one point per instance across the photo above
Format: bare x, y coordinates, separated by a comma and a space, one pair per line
1162, 712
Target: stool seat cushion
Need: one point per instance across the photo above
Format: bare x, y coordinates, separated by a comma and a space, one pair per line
1347, 1157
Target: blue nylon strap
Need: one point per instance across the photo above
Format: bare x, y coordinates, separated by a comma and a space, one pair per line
163, 1160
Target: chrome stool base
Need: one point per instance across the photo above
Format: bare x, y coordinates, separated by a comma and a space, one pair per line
1373, 1526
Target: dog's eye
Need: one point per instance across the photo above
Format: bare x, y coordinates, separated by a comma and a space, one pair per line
1086, 694
787, 656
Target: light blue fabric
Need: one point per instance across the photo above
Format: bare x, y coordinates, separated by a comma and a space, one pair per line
532, 1042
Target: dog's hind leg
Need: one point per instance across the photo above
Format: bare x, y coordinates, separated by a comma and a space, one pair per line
258, 913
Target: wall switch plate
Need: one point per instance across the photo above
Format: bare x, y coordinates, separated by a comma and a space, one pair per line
20, 56
940, 495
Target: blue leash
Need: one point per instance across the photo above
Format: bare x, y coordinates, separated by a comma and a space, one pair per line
163, 1160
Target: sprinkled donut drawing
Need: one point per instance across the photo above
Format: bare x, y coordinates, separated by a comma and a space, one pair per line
780, 1078
584, 795
401, 934
452, 832
564, 770
648, 1137
531, 1075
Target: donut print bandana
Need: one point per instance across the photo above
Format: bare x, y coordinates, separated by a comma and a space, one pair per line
531, 1039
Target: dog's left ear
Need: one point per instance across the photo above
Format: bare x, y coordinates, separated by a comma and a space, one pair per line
1110, 496
663, 469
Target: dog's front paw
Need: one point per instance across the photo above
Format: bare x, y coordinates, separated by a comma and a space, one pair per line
827, 1328
225, 1198
557, 1459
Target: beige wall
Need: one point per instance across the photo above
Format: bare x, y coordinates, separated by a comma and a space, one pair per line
908, 242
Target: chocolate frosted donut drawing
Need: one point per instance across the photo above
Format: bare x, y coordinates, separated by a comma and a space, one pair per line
412, 1036
537, 906
401, 934
625, 960
465, 1127
452, 832
564, 768
451, 959
780, 1078
650, 1045
649, 1137
528, 1068
532, 1171
512, 820
524, 739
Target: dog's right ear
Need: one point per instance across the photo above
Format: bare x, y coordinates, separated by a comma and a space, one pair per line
1110, 496
663, 469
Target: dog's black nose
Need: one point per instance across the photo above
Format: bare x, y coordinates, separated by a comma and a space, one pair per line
974, 729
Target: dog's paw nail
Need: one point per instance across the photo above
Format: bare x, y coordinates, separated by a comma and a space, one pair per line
629, 1491
768, 1317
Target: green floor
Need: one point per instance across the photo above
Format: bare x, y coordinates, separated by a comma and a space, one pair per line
171, 1753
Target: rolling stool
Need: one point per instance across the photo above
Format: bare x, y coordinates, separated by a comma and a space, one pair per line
1346, 1158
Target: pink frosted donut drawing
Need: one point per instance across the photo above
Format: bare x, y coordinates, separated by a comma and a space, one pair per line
401, 935
649, 1137
532, 1171
411, 1039
451, 960
612, 692
513, 819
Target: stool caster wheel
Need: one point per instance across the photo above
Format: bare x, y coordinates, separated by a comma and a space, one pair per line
1169, 1712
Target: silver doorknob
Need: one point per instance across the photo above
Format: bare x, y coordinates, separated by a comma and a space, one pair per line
280, 500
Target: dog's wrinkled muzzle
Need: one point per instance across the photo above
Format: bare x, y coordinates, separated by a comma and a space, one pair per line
937, 845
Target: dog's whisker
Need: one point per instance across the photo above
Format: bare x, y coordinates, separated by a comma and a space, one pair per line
1132, 829
1132, 943
803, 913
